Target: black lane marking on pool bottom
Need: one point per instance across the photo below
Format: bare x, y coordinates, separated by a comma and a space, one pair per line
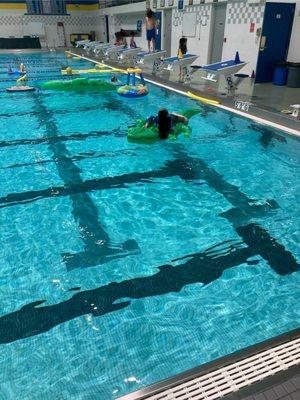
188, 169
62, 138
204, 267
78, 157
98, 246
185, 167
55, 111
268, 136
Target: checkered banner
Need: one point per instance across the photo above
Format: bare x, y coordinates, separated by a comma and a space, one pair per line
203, 14
17, 20
242, 13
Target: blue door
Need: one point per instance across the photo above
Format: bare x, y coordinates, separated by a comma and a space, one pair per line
275, 39
157, 17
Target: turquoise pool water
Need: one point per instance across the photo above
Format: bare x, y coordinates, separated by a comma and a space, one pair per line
123, 264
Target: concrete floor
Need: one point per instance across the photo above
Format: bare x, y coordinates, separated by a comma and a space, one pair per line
264, 95
284, 386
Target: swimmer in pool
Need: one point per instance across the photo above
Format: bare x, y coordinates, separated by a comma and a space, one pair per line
165, 122
115, 81
22, 68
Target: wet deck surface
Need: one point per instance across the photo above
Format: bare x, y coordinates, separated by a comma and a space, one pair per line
282, 386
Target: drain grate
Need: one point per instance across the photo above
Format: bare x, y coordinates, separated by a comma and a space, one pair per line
236, 376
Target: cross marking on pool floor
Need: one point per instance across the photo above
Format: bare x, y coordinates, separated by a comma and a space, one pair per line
203, 267
98, 246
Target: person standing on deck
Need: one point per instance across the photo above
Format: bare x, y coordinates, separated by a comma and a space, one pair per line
150, 29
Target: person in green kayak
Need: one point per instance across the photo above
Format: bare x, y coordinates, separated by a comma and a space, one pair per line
165, 121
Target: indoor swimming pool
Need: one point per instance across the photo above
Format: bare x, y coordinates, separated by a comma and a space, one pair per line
122, 263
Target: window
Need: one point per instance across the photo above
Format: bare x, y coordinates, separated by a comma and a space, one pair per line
46, 6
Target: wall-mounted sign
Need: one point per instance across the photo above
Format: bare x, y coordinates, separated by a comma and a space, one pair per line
242, 105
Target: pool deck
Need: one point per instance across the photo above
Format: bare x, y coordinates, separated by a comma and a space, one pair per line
264, 104
285, 386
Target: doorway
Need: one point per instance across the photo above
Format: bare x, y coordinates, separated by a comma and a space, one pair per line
218, 29
167, 31
61, 37
157, 17
275, 39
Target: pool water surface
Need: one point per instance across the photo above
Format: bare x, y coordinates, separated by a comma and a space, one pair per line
124, 263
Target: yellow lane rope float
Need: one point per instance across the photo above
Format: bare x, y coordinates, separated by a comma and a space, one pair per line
22, 79
70, 71
134, 71
202, 99
99, 65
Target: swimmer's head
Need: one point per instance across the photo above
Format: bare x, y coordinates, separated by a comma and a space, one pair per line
164, 123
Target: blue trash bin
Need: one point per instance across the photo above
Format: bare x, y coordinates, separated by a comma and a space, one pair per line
280, 74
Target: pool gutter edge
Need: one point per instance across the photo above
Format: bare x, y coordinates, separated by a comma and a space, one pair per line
260, 119
214, 365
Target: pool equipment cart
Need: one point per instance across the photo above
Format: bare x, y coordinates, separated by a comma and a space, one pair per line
131, 89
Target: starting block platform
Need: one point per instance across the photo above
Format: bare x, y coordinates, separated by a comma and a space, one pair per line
228, 69
154, 57
170, 63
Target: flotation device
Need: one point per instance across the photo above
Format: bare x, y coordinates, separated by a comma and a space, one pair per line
131, 89
20, 89
90, 71
79, 84
203, 99
23, 78
139, 134
15, 72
